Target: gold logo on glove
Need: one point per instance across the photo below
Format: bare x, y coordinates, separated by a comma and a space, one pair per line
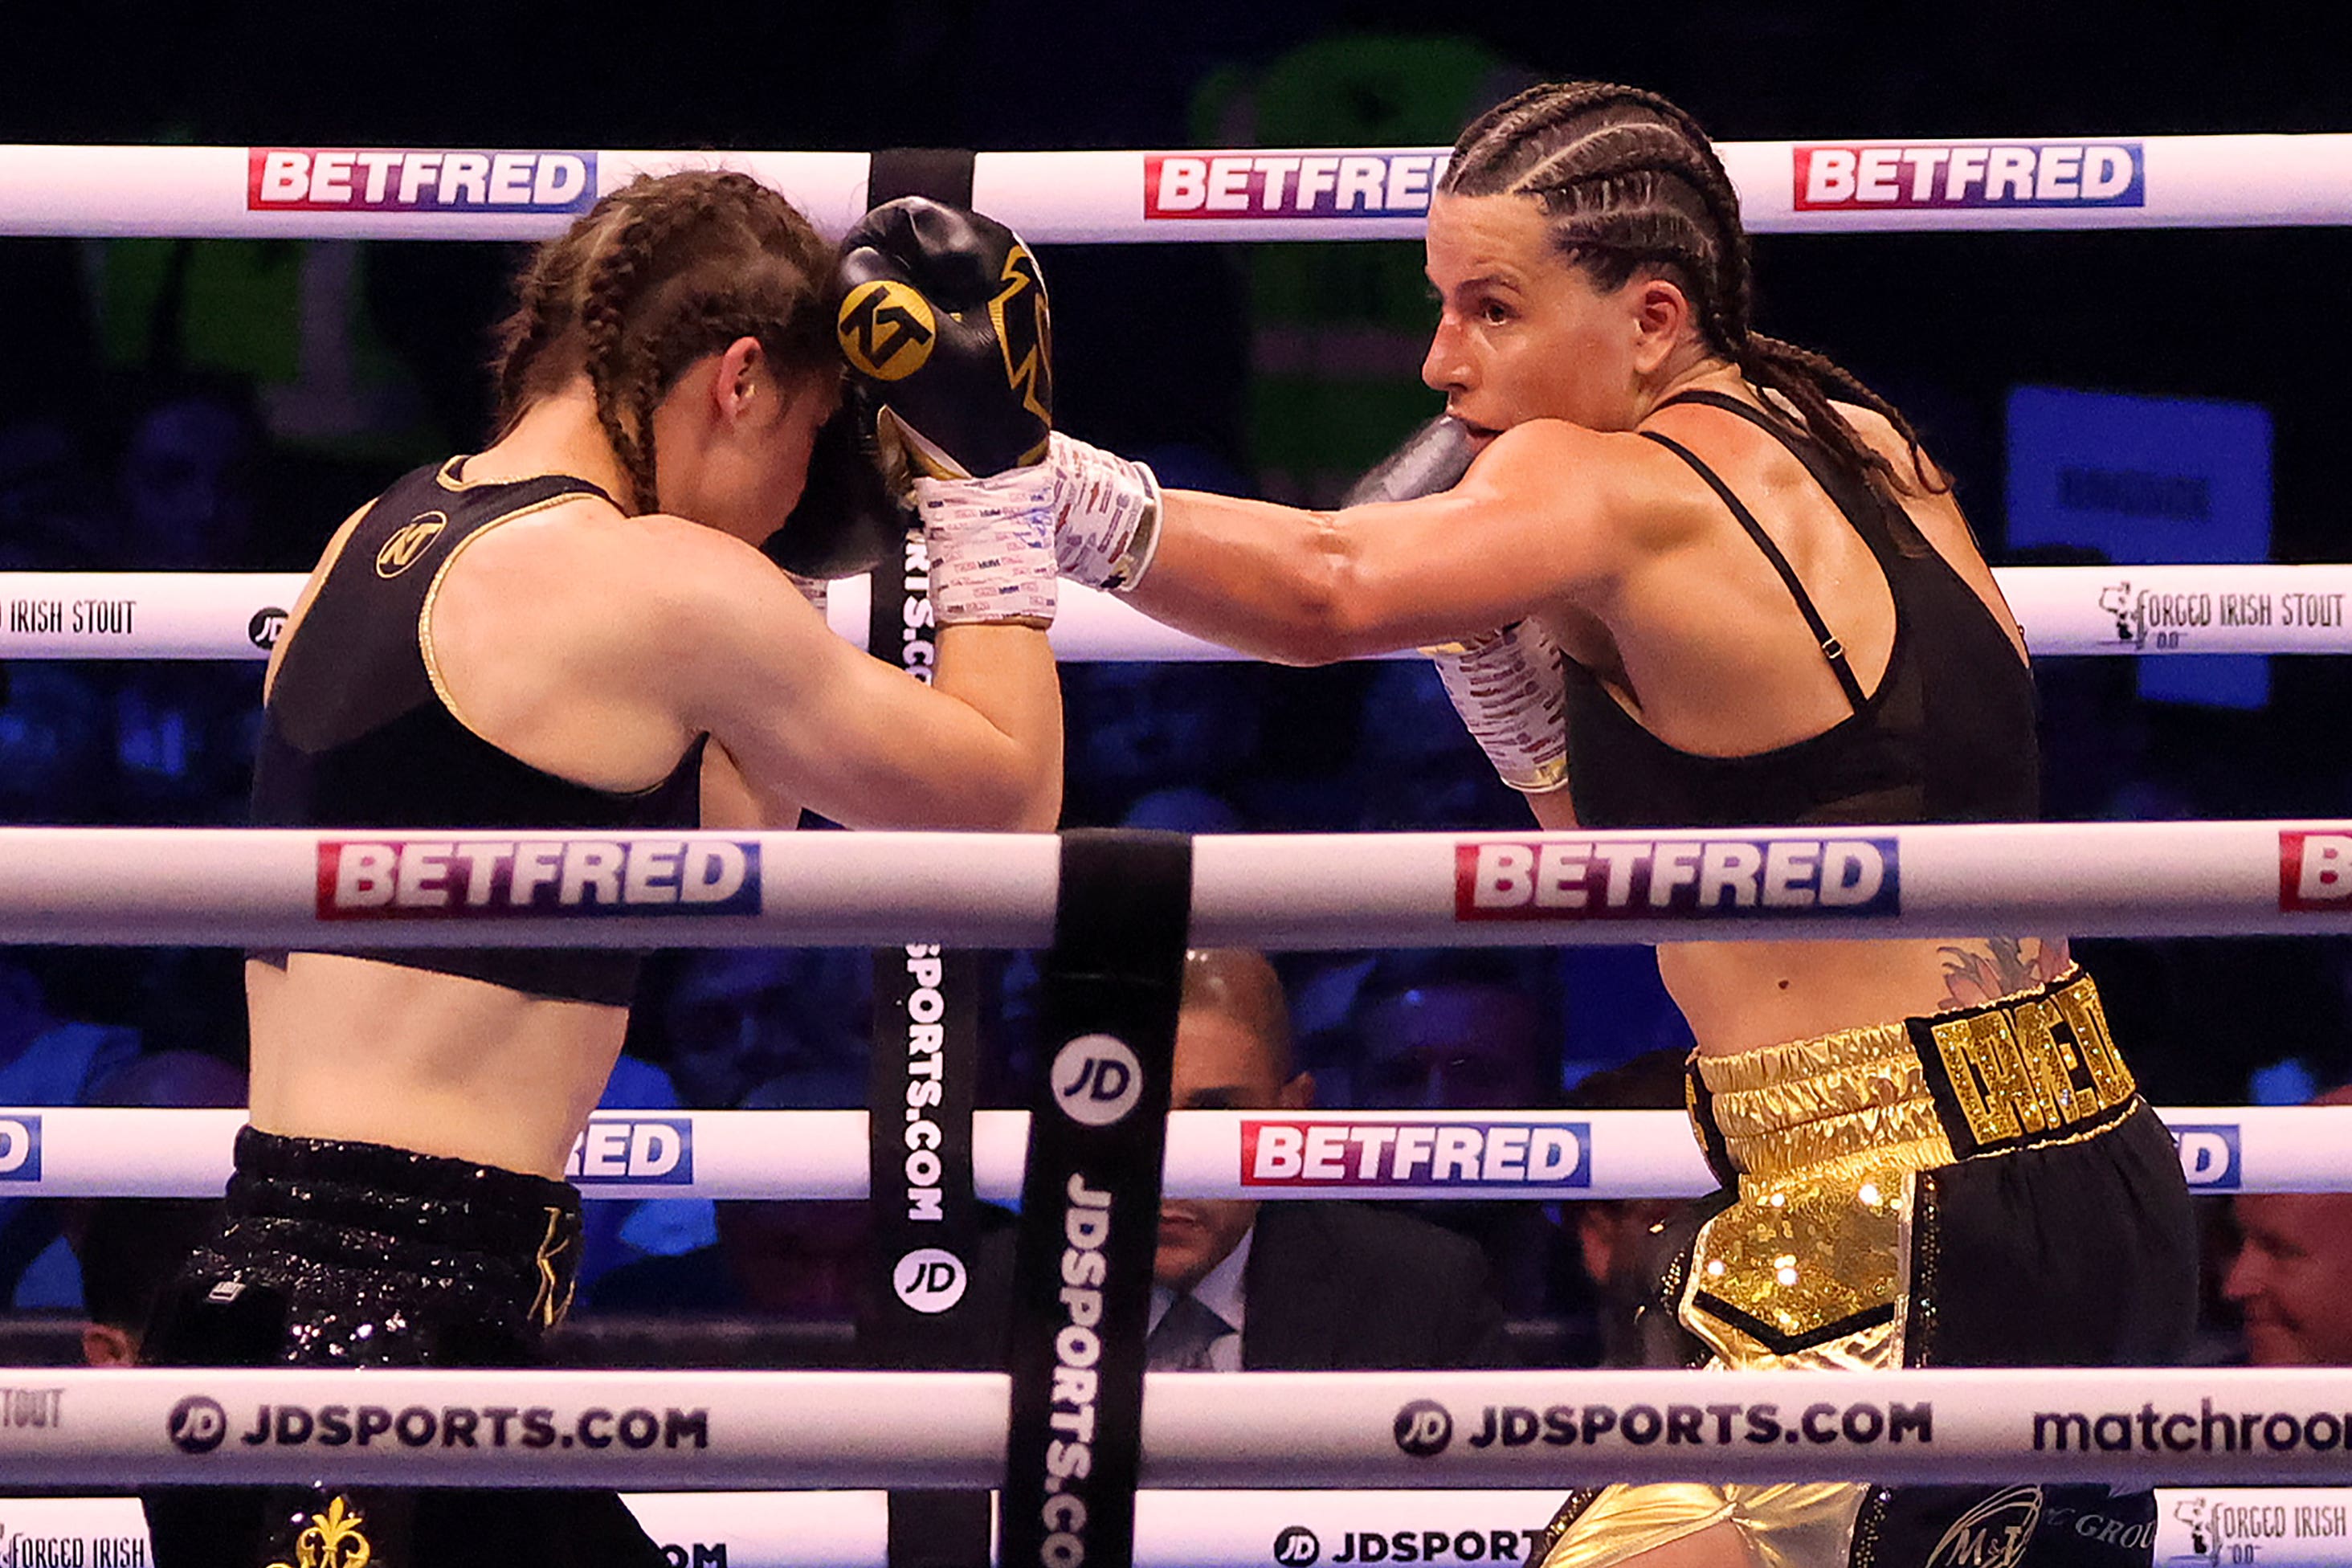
887, 329
1025, 332
401, 551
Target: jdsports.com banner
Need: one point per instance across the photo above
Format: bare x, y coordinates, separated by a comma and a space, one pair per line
2218, 1528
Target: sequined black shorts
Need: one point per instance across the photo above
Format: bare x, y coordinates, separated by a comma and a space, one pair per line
346, 1253
1984, 1188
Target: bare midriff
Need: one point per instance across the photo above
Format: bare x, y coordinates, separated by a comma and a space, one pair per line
1740, 995
351, 1048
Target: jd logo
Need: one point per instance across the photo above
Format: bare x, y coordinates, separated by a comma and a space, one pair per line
887, 329
401, 551
197, 1424
929, 1281
1297, 1547
1423, 1429
1097, 1079
268, 623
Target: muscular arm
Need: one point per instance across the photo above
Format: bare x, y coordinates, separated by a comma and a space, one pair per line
1548, 511
808, 720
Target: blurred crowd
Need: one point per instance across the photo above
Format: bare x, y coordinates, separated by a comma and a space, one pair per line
222, 405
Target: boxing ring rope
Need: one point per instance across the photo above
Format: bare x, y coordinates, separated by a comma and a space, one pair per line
673, 1430
504, 194
361, 887
1206, 1529
1542, 1156
1435, 1434
2245, 609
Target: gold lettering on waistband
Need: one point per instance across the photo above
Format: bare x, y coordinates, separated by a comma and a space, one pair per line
1980, 1058
2049, 1061
2088, 1018
2014, 1069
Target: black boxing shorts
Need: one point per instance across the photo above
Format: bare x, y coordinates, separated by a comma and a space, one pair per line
1979, 1188
346, 1253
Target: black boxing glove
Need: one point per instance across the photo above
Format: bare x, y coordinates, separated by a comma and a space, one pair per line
1507, 684
1432, 459
848, 522
943, 312
944, 316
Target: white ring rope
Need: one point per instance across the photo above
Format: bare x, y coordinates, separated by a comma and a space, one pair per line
2214, 608
359, 887
1487, 1155
1372, 192
674, 1430
2290, 1527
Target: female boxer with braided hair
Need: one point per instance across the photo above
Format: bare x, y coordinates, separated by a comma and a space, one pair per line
537, 636
1731, 588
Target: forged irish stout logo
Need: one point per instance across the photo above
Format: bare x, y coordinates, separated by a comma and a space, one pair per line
197, 1424
930, 1279
1297, 1547
1097, 1080
268, 623
887, 329
1423, 1429
401, 551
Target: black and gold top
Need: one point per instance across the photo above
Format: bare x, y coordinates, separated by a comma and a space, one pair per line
359, 729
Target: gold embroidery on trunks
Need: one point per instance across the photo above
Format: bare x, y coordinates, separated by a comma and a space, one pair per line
2018, 1070
2050, 1062
2080, 1007
1980, 1057
1800, 1255
545, 1310
332, 1540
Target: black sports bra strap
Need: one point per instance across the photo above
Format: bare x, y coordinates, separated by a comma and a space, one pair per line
1883, 526
1831, 649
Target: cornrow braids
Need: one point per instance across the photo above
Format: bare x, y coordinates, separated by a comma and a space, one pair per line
1631, 184
656, 274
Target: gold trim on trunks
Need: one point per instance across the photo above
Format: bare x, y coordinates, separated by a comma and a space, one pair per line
1859, 1095
1806, 1270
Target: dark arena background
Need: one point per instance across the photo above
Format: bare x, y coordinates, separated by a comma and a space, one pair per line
177, 404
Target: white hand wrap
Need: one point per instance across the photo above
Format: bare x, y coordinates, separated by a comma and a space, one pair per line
1508, 688
991, 542
1106, 515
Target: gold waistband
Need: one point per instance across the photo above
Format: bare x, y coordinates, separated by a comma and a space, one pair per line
2016, 1071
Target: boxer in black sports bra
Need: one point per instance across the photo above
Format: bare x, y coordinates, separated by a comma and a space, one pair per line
1681, 574
537, 636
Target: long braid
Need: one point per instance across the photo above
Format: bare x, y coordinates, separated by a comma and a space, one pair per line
1631, 182
659, 273
611, 288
